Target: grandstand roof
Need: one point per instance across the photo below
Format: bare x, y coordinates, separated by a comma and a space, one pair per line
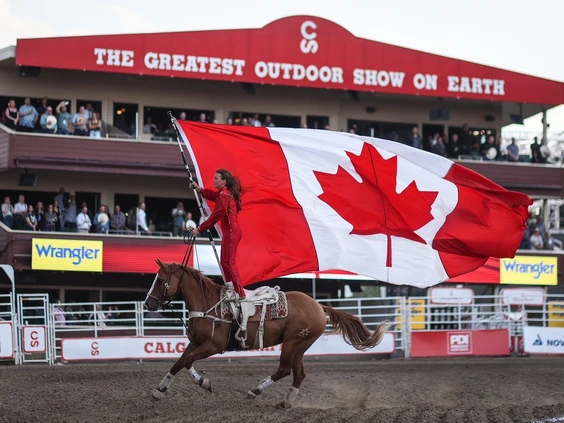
298, 51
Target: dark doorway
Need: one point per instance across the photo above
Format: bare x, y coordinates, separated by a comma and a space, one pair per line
125, 115
92, 200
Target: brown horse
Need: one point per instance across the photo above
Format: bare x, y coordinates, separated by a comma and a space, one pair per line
209, 334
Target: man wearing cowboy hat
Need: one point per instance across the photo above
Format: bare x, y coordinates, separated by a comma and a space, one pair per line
48, 122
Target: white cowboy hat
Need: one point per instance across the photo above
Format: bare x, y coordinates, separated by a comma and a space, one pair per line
492, 153
103, 218
51, 122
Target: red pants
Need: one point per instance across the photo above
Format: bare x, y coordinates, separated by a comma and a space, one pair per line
231, 238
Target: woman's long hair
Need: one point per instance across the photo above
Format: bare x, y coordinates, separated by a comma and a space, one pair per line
233, 184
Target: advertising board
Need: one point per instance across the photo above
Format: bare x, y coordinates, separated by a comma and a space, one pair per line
66, 254
529, 270
161, 348
6, 340
460, 343
543, 340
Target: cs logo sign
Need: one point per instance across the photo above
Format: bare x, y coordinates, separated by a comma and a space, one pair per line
308, 43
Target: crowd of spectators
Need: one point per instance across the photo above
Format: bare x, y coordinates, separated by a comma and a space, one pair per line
537, 236
27, 118
62, 215
464, 144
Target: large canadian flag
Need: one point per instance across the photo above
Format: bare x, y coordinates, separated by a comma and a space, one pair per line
318, 200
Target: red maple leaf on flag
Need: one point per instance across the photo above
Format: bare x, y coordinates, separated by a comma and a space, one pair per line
373, 206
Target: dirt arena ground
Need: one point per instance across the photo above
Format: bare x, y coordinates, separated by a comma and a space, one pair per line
454, 390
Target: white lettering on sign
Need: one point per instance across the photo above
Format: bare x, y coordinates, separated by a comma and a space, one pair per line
196, 64
34, 339
308, 43
464, 84
110, 57
298, 72
425, 82
380, 78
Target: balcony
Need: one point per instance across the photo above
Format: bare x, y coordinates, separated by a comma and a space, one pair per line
85, 154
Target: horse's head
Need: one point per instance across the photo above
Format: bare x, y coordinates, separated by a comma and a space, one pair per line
165, 286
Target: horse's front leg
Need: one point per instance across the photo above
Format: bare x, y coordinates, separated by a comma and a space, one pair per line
159, 391
186, 360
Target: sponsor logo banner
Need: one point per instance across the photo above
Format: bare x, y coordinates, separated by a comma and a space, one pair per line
442, 343
120, 348
6, 340
543, 340
66, 254
529, 270
132, 257
34, 339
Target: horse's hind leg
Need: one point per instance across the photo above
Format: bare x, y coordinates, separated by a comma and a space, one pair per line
284, 369
159, 391
299, 376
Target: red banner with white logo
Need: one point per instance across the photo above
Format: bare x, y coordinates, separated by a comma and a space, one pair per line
301, 51
140, 258
460, 343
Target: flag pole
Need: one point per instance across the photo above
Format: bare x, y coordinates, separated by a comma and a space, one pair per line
202, 211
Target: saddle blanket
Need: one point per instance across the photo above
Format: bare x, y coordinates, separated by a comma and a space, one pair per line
277, 310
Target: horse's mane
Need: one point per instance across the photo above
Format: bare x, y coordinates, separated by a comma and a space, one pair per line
197, 274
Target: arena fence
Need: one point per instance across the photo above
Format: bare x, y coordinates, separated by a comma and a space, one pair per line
515, 322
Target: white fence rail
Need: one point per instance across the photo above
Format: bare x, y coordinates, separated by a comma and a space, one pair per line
36, 329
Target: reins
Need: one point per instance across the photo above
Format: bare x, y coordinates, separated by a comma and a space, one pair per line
190, 240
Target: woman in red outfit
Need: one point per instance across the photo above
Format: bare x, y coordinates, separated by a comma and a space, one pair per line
227, 200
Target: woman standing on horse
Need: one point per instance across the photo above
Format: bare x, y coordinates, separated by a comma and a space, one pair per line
227, 200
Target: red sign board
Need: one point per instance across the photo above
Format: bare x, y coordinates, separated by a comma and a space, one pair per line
302, 51
459, 343
139, 258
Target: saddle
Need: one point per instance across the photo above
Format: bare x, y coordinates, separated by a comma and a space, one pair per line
254, 302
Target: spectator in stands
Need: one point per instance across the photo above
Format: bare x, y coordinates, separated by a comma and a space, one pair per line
118, 220
11, 115
48, 122
142, 227
549, 242
80, 122
535, 151
40, 215
102, 220
60, 216
20, 211
255, 121
83, 222
149, 127
268, 122
95, 126
453, 148
42, 108
438, 146
8, 212
63, 119
182, 116
415, 139
189, 223
203, 118
489, 150
536, 240
30, 220
59, 314
70, 215
88, 112
98, 316
541, 226
178, 214
513, 151
51, 219
28, 116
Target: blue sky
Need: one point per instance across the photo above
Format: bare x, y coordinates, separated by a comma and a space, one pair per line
517, 35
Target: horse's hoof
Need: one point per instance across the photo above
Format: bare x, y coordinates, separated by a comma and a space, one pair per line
206, 384
158, 394
250, 395
282, 405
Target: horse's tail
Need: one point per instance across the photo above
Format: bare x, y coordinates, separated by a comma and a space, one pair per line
354, 332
